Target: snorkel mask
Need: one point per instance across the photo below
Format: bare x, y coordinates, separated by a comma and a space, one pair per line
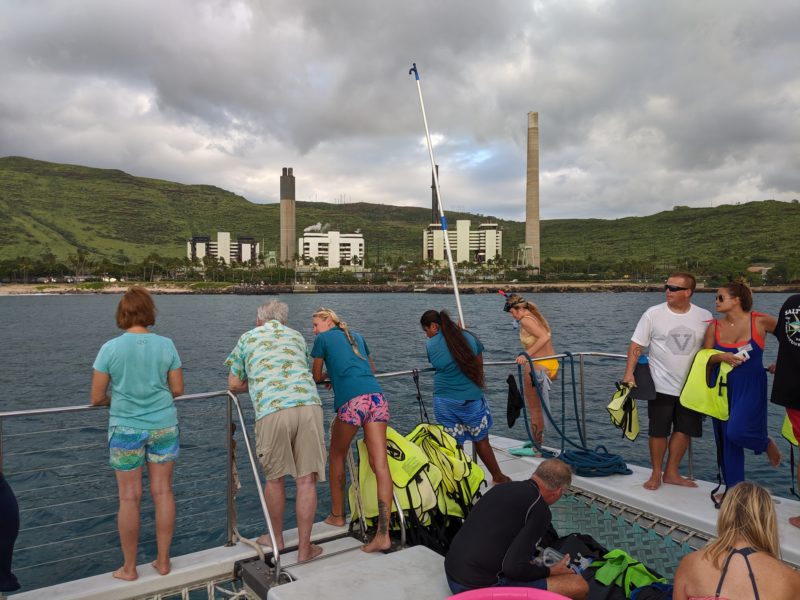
512, 300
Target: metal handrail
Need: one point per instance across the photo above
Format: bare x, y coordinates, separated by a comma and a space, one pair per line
232, 400
275, 552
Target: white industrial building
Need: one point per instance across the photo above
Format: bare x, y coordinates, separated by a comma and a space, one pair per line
331, 249
243, 250
467, 245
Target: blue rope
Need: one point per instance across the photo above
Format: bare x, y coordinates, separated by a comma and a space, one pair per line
584, 462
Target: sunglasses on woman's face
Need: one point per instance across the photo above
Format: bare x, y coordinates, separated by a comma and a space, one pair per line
674, 288
721, 298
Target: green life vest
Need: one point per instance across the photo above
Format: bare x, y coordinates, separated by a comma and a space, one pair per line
415, 480
620, 568
461, 477
624, 413
788, 432
703, 395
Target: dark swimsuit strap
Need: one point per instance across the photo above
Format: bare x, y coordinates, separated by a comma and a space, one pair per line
745, 552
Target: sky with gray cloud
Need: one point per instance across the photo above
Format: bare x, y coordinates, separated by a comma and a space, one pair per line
643, 105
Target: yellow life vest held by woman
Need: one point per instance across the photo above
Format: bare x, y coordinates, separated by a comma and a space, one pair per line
704, 393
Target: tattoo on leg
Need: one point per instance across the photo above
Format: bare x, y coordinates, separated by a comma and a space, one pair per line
341, 482
383, 517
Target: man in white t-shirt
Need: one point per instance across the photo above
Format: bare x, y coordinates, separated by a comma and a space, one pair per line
673, 331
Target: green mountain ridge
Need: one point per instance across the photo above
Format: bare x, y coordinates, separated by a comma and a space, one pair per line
62, 208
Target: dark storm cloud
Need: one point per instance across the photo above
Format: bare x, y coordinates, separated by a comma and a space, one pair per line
642, 105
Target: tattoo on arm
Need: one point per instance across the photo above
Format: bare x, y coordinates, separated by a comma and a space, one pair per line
383, 518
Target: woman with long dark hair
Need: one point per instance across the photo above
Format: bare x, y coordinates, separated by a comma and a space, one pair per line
740, 336
458, 400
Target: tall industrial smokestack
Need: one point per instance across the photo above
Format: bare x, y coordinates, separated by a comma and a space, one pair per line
288, 229
532, 190
434, 198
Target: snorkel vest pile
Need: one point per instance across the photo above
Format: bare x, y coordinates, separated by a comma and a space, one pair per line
706, 387
431, 474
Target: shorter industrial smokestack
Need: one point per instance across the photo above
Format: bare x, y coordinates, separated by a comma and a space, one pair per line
434, 198
288, 228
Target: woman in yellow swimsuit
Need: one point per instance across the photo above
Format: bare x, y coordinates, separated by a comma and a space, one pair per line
536, 339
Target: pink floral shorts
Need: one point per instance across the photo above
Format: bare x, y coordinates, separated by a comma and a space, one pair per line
367, 408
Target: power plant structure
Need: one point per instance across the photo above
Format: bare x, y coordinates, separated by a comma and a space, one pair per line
288, 226
434, 198
529, 253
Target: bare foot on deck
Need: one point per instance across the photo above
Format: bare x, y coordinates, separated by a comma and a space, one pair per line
653, 483
795, 521
265, 541
314, 552
378, 544
335, 520
773, 453
502, 479
125, 575
162, 569
678, 480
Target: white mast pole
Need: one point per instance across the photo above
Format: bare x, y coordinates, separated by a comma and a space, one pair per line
439, 199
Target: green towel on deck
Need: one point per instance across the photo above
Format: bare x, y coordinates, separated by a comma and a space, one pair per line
622, 569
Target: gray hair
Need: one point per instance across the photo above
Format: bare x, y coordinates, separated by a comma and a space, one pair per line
554, 473
273, 310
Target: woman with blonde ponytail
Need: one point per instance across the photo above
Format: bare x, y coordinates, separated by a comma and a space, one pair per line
358, 402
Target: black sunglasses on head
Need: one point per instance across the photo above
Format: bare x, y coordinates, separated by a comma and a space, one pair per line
674, 288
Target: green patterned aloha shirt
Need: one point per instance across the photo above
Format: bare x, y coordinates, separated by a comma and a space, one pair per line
273, 359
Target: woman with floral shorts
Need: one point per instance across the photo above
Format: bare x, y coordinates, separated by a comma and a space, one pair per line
359, 402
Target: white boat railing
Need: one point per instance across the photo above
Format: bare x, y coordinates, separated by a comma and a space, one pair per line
232, 403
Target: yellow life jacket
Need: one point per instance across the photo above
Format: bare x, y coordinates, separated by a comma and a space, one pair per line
461, 477
624, 413
414, 479
788, 432
703, 395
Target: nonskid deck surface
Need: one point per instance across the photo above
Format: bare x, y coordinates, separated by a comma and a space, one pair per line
691, 507
344, 571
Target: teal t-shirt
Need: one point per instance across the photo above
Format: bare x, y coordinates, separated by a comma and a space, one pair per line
449, 381
350, 375
138, 364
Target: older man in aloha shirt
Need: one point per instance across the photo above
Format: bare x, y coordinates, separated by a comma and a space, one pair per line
271, 362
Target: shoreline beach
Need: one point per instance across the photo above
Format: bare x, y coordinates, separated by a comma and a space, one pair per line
37, 289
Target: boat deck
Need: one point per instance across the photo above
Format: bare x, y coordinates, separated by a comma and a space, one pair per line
343, 571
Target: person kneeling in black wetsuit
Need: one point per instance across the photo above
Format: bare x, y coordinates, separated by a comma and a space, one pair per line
496, 544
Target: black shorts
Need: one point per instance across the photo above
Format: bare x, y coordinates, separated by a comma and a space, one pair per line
667, 414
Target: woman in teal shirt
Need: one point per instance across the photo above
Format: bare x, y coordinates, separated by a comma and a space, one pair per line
144, 372
359, 402
458, 400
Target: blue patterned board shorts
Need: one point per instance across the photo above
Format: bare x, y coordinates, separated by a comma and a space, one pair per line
463, 419
129, 447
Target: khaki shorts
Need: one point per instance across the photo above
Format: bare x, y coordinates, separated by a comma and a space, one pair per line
291, 441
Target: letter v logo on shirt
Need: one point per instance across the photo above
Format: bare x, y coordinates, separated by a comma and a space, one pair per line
681, 340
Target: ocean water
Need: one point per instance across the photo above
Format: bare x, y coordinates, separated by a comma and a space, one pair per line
58, 465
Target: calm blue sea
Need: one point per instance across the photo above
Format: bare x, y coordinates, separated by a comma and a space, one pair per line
58, 469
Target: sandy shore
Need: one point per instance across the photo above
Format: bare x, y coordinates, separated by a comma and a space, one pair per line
19, 289
27, 289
